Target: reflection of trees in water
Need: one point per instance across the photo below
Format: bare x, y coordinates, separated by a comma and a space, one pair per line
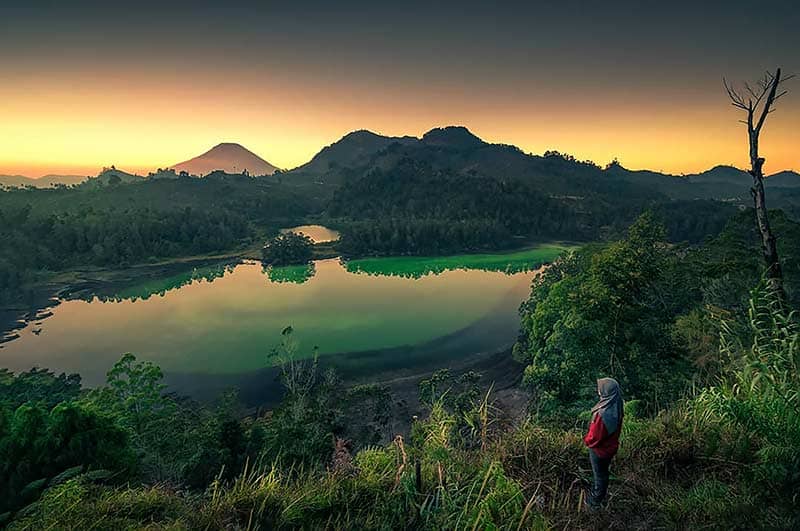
297, 274
162, 285
422, 269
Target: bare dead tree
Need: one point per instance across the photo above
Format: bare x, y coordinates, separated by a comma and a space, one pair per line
758, 101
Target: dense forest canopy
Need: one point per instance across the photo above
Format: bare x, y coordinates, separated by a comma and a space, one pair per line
123, 224
410, 187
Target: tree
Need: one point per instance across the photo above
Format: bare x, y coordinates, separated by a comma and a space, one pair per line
135, 398
757, 102
302, 427
605, 310
288, 249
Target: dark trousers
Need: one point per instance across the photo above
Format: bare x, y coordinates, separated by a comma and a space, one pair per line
600, 471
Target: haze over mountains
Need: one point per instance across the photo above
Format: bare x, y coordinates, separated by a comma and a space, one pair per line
453, 148
226, 157
41, 182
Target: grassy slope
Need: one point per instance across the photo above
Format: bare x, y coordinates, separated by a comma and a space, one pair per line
531, 477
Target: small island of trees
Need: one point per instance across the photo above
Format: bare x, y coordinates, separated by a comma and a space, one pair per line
287, 249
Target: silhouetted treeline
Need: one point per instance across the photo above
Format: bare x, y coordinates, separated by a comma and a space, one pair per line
410, 207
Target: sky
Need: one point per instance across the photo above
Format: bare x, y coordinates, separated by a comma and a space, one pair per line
148, 84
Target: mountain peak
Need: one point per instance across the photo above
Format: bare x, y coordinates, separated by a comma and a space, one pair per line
351, 150
360, 133
723, 167
785, 179
721, 173
360, 137
456, 136
229, 157
228, 145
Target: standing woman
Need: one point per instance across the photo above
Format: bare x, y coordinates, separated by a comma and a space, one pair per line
603, 437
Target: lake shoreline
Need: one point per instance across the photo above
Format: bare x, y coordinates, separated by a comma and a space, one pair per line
72, 283
260, 391
482, 346
46, 293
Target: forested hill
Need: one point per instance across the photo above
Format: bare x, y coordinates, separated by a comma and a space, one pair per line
450, 190
722, 183
456, 148
351, 151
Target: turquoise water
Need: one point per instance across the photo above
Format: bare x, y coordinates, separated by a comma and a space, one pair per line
224, 321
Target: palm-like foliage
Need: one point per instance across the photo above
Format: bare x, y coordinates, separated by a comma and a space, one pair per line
760, 394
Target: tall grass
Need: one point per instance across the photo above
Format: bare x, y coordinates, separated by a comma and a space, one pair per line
758, 399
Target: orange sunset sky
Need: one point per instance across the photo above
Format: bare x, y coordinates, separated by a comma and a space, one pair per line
89, 85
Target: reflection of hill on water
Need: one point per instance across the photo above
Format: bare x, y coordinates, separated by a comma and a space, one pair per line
418, 267
160, 286
297, 274
424, 271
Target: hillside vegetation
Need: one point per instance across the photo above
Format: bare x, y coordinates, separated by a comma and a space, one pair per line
708, 362
670, 302
113, 225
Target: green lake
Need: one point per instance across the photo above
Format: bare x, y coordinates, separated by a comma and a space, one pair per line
215, 326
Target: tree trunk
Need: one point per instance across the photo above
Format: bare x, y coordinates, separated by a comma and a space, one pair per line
768, 243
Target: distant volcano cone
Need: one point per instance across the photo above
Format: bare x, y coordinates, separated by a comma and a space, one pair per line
228, 157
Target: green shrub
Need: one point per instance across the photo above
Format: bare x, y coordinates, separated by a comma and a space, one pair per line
37, 445
79, 504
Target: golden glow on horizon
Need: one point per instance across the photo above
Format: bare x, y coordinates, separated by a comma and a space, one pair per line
74, 123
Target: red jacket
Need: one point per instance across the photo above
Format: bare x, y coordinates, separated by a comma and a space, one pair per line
599, 440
